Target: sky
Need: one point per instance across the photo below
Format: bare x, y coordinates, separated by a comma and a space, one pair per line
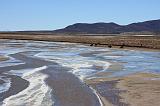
54, 14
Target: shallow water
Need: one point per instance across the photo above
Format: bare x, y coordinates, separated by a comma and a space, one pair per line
81, 60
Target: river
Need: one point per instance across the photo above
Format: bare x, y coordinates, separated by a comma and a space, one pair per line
39, 73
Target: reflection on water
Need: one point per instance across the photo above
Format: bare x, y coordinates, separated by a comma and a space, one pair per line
82, 58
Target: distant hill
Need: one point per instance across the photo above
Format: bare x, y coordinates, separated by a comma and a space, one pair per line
152, 26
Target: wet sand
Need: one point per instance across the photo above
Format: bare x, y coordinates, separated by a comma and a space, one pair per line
141, 89
107, 91
17, 85
1, 81
3, 58
69, 90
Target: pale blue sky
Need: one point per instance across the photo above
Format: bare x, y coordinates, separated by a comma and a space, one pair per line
53, 14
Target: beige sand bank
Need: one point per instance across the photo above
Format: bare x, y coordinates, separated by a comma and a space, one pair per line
141, 89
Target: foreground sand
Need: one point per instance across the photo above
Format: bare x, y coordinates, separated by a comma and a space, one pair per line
140, 89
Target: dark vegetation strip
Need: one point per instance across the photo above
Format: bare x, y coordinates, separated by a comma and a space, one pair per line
152, 42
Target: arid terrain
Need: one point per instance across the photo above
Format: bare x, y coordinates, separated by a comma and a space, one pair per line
152, 42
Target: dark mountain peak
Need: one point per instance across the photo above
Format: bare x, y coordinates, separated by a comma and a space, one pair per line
105, 24
92, 24
151, 26
76, 25
151, 21
112, 28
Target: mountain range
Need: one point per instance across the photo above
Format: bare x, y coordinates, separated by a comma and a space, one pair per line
152, 26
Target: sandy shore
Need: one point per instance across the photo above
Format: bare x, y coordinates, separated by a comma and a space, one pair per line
140, 89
